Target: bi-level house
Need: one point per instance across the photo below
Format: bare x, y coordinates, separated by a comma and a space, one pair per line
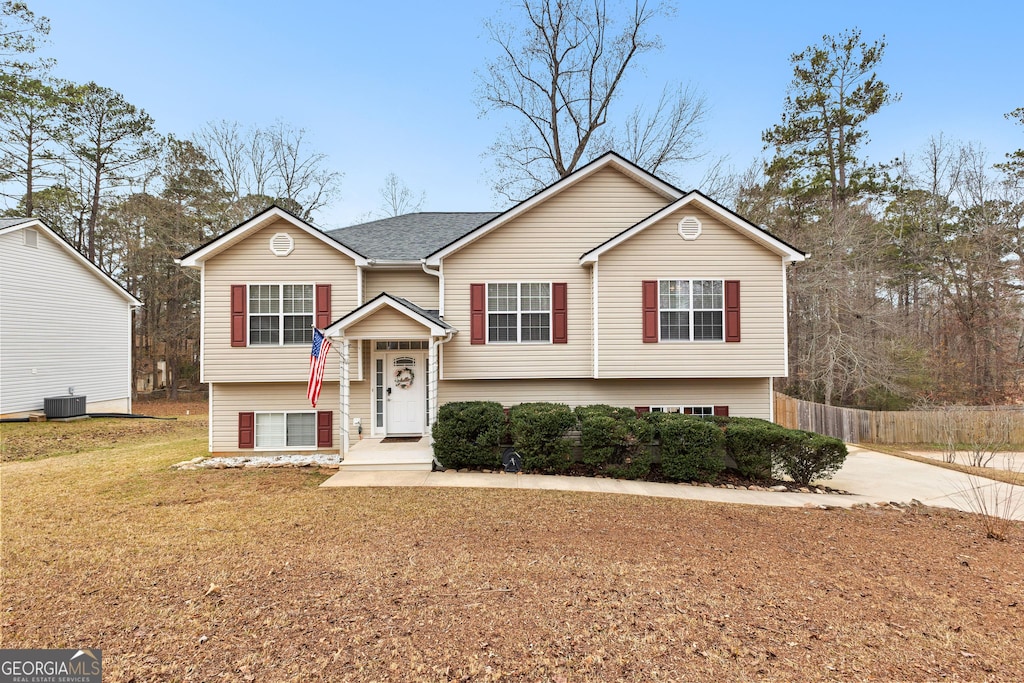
609, 286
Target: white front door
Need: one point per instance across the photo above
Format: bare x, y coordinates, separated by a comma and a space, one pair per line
405, 393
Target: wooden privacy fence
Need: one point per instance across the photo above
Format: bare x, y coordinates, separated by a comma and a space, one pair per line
965, 425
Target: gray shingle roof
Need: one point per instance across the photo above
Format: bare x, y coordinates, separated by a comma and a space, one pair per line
409, 237
430, 314
8, 222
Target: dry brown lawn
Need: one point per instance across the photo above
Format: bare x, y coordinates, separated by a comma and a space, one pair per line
234, 575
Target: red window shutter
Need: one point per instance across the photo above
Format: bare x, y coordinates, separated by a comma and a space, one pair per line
323, 306
560, 322
732, 310
324, 428
247, 430
650, 311
238, 325
722, 411
477, 326
640, 410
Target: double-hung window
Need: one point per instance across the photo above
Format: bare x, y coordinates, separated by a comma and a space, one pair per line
280, 314
518, 312
286, 430
691, 310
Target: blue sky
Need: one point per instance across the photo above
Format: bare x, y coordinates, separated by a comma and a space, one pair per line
388, 87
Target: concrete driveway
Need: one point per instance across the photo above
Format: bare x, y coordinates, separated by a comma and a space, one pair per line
871, 477
886, 477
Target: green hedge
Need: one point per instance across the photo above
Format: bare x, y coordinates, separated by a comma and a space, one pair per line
692, 449
614, 441
467, 434
751, 443
806, 456
538, 433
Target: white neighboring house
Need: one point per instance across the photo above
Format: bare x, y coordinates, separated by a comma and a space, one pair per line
63, 323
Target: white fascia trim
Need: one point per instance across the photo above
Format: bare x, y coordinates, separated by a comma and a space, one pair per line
785, 322
788, 254
394, 264
339, 327
77, 255
202, 323
594, 292
635, 172
258, 222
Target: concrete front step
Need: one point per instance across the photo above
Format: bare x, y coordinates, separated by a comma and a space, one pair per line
384, 461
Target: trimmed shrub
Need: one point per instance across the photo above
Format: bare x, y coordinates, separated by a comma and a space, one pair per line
467, 434
806, 456
750, 443
692, 449
633, 467
538, 433
614, 441
619, 413
600, 436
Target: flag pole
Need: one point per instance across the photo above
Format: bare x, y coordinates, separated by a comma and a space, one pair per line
333, 347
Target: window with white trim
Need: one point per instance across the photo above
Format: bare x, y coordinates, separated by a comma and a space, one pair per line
280, 314
286, 430
691, 310
700, 411
518, 312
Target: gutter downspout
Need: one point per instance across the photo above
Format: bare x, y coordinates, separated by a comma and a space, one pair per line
440, 290
434, 359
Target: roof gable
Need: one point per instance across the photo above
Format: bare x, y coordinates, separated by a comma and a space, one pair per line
15, 224
272, 214
609, 159
422, 316
788, 253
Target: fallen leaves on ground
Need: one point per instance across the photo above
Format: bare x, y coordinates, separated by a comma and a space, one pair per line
261, 575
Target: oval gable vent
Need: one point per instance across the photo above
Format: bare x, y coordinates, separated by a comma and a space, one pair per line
690, 228
282, 244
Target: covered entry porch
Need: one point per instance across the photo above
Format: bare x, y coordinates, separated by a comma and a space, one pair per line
388, 381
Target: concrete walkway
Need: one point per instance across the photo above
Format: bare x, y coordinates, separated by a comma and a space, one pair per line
871, 477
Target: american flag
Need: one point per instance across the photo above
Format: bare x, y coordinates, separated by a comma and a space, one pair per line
317, 361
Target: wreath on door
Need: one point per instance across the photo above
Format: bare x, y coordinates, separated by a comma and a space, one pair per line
404, 378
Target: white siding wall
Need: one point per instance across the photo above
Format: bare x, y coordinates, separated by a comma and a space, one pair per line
311, 262
745, 397
414, 285
719, 253
543, 245
60, 326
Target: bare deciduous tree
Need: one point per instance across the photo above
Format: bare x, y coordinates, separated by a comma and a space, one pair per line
263, 165
396, 198
559, 71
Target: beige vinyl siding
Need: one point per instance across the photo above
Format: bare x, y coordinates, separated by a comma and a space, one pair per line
61, 325
354, 345
251, 262
359, 398
745, 397
228, 400
719, 253
414, 285
542, 245
387, 323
